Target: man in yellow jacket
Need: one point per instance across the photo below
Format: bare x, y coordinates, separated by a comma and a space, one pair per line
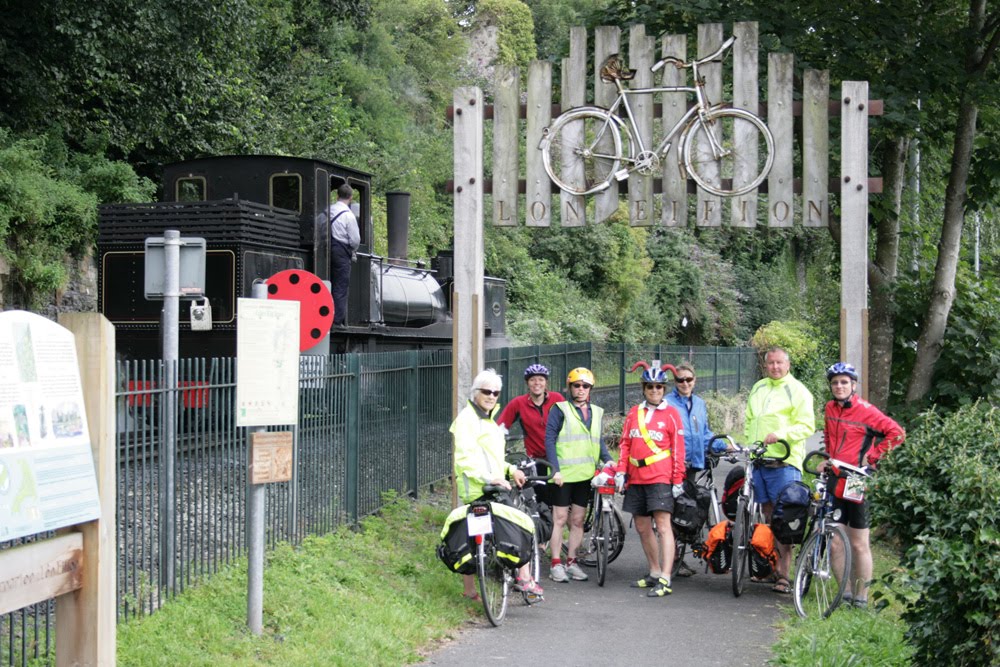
779, 408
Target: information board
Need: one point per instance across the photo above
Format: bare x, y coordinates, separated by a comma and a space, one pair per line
267, 362
47, 478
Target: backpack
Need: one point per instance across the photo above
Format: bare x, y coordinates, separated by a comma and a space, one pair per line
731, 490
791, 513
690, 511
763, 555
718, 548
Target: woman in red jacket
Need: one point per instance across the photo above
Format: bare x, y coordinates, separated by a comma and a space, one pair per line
858, 433
652, 462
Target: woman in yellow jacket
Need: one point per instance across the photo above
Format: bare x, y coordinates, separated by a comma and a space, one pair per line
479, 458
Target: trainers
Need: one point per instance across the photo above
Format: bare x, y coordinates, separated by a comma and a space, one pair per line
646, 582
576, 573
558, 573
662, 588
528, 586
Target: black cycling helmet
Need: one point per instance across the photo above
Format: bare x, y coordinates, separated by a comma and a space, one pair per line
842, 368
535, 369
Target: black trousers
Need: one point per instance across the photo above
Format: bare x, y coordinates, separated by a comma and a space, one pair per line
340, 279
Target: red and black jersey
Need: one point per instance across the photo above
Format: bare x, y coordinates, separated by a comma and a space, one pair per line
533, 419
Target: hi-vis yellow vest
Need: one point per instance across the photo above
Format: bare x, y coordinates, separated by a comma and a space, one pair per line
578, 449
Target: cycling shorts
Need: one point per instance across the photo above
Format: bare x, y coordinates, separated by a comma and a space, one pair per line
570, 493
644, 499
854, 515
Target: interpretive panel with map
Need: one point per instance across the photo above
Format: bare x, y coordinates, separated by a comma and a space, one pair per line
267, 362
47, 478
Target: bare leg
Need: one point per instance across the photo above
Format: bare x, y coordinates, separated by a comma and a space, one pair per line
560, 515
650, 545
665, 533
576, 517
468, 585
861, 568
784, 550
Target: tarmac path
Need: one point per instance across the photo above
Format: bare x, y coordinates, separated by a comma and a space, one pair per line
580, 623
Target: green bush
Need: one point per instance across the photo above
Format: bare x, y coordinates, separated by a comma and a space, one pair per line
809, 353
936, 495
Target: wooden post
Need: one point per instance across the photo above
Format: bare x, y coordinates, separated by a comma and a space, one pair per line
506, 116
574, 70
86, 626
780, 197
640, 188
538, 187
815, 148
746, 95
467, 304
709, 208
674, 211
854, 226
607, 40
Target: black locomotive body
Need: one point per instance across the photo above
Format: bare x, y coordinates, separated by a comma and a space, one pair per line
261, 214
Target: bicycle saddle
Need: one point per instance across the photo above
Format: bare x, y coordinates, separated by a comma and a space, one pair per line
613, 70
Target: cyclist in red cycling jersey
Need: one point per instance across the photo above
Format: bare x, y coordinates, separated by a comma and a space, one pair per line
533, 409
858, 433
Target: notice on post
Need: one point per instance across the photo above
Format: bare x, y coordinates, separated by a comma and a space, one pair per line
267, 362
47, 478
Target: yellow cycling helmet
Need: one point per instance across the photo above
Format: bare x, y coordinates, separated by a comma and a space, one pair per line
580, 375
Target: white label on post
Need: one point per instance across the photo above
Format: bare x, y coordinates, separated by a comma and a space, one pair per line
479, 525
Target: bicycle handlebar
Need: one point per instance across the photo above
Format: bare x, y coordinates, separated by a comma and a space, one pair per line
757, 449
836, 464
680, 64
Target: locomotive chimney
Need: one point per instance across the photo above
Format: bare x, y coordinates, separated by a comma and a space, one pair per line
397, 211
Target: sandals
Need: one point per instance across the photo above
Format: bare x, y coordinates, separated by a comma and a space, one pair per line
782, 586
474, 597
529, 586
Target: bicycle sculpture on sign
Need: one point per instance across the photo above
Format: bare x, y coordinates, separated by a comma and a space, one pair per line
727, 151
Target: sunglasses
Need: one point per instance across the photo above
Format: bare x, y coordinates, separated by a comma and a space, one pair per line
579, 385
490, 392
683, 380
658, 387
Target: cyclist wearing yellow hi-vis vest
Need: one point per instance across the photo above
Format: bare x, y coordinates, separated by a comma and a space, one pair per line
779, 408
651, 471
574, 446
479, 458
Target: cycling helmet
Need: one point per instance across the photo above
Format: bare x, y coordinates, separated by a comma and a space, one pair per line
842, 368
535, 369
580, 375
654, 376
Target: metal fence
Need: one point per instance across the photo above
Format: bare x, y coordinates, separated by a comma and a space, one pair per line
368, 424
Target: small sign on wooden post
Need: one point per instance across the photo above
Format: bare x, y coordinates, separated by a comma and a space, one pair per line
271, 457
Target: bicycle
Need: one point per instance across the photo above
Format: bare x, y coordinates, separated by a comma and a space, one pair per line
748, 511
604, 531
495, 575
727, 151
824, 560
706, 479
526, 500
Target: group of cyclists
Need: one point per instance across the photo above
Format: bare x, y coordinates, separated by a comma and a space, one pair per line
665, 440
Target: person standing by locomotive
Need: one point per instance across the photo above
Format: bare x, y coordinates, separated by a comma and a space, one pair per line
779, 407
533, 410
651, 472
858, 433
574, 447
345, 237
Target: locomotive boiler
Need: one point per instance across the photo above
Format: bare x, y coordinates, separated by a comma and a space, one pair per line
261, 214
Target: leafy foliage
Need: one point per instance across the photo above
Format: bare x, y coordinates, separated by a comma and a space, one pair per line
936, 495
48, 208
807, 350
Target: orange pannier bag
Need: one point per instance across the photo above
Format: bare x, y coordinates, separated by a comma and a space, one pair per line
718, 548
763, 556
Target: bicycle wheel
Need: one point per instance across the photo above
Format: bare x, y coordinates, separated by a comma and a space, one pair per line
494, 582
617, 535
741, 545
819, 580
582, 150
602, 529
728, 153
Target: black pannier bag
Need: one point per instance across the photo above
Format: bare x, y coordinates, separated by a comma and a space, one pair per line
691, 510
543, 523
731, 491
791, 513
513, 532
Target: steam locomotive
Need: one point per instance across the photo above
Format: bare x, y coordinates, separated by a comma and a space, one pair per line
261, 214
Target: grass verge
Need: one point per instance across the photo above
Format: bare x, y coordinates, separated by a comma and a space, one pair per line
372, 596
850, 637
